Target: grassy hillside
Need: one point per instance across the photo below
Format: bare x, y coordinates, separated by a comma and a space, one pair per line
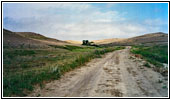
36, 36
74, 42
11, 39
24, 68
32, 35
28, 40
98, 42
106, 41
158, 38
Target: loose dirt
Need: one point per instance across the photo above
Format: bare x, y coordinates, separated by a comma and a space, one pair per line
116, 74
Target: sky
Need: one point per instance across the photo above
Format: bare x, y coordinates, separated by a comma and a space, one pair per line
90, 21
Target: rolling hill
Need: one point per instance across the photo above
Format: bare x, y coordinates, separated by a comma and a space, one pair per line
106, 41
28, 39
14, 40
31, 39
147, 39
98, 42
73, 42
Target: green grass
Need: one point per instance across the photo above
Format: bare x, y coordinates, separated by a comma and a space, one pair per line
23, 68
13, 53
73, 48
156, 55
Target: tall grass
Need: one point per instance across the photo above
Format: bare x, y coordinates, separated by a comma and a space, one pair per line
154, 54
15, 83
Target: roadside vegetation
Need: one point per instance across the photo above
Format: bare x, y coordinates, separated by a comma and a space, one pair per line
25, 68
156, 55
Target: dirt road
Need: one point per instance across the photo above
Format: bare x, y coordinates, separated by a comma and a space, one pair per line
116, 74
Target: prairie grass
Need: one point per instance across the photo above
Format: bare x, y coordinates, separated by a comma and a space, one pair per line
156, 55
24, 68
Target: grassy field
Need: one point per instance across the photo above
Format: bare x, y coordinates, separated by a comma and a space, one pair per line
156, 55
24, 68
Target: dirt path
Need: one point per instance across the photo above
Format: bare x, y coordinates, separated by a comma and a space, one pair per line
117, 74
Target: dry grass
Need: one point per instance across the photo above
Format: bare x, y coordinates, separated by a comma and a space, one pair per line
106, 41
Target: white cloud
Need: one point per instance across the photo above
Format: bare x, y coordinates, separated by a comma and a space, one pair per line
108, 16
95, 31
74, 21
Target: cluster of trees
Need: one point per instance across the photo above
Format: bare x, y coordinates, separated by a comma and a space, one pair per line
86, 42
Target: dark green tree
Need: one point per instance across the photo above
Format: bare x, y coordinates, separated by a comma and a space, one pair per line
85, 42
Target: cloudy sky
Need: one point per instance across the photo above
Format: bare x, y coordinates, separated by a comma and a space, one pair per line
92, 21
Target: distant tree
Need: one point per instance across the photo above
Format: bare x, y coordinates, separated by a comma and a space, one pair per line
85, 42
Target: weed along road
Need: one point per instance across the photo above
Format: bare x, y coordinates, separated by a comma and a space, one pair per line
116, 74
